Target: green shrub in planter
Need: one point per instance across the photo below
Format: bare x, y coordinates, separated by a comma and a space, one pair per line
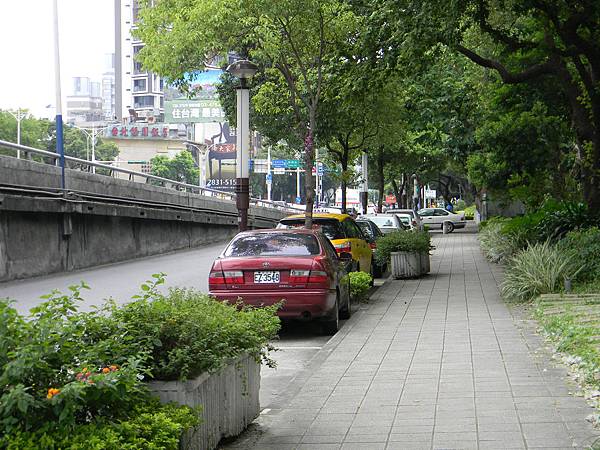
56, 381
539, 269
186, 333
402, 241
360, 283
69, 378
151, 426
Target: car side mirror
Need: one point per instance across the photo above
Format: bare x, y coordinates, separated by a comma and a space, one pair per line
345, 256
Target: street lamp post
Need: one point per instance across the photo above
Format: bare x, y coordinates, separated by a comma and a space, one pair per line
92, 134
20, 115
243, 70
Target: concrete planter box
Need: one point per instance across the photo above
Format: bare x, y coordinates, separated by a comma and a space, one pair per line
425, 263
228, 397
409, 264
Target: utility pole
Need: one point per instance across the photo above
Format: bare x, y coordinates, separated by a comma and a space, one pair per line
364, 195
60, 149
298, 183
317, 191
269, 176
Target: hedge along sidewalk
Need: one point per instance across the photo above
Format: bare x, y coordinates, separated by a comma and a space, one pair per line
431, 363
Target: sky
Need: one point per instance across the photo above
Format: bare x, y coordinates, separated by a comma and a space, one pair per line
86, 34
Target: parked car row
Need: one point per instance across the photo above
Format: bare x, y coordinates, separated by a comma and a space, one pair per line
308, 270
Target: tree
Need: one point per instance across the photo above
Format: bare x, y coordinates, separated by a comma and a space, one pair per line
296, 39
525, 42
181, 168
34, 132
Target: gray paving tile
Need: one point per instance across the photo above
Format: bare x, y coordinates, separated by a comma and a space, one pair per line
438, 362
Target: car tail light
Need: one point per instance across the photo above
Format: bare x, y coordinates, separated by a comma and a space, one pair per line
344, 247
299, 276
216, 277
414, 222
318, 276
234, 277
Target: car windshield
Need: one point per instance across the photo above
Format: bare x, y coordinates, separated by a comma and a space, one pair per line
274, 244
405, 218
329, 227
383, 221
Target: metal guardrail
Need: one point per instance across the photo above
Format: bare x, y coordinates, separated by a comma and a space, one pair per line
132, 175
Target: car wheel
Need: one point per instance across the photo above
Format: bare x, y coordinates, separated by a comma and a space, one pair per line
372, 273
332, 325
450, 227
346, 311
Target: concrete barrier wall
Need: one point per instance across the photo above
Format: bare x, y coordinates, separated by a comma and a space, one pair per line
33, 244
104, 220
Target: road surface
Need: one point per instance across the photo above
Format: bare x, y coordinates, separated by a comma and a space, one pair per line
297, 345
121, 280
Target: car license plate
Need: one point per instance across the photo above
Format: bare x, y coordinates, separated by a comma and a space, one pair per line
266, 277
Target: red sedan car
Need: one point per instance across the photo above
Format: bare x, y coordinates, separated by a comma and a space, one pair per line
298, 266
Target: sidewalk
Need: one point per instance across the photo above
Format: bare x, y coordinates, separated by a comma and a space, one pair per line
435, 363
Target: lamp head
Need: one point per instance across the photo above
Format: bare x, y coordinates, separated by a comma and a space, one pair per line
243, 69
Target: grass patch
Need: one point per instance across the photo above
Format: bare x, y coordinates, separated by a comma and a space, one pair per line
572, 323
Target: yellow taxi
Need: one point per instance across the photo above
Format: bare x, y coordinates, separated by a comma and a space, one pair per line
344, 234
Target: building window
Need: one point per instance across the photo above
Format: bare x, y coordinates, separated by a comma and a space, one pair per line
137, 68
139, 85
143, 101
135, 10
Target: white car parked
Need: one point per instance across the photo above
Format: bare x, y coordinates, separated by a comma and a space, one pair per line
407, 220
436, 217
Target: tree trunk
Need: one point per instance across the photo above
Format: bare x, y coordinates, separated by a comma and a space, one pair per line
587, 129
397, 192
309, 160
344, 162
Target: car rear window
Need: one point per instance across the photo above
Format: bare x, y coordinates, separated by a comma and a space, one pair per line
274, 244
330, 228
365, 227
383, 221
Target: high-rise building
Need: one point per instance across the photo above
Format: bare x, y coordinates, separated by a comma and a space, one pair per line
84, 105
139, 93
108, 88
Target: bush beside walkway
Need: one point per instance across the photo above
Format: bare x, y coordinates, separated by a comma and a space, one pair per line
75, 380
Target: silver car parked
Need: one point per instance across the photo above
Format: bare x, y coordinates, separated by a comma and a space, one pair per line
415, 219
436, 217
386, 223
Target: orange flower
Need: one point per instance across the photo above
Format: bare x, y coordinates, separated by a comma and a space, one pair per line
114, 367
105, 370
52, 392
